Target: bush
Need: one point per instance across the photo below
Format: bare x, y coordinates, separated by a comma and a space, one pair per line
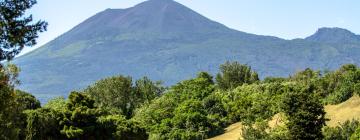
342, 132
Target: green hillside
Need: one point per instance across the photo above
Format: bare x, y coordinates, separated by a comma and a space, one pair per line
170, 43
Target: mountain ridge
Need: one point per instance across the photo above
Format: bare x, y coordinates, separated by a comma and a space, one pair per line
167, 46
334, 35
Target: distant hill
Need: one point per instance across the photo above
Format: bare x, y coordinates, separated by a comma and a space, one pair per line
334, 35
167, 41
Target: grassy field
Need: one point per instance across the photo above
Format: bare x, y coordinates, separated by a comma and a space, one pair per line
337, 114
231, 133
345, 111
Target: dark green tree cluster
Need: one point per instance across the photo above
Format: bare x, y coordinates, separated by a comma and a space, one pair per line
80, 119
16, 31
340, 85
234, 74
305, 114
12, 103
119, 94
188, 110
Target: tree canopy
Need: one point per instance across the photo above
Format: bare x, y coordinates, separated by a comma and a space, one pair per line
234, 74
17, 30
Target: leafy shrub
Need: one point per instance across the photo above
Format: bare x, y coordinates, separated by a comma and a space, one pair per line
342, 132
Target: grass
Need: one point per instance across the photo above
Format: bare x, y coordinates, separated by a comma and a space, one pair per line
340, 113
337, 114
231, 133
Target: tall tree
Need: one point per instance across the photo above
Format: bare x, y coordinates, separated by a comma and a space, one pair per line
16, 29
80, 118
16, 32
26, 101
234, 74
305, 114
8, 105
118, 93
115, 93
43, 123
147, 90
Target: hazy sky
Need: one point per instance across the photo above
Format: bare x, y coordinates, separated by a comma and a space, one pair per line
282, 18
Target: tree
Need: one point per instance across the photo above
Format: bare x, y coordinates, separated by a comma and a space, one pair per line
16, 29
153, 114
117, 127
43, 123
199, 87
305, 76
80, 117
340, 85
114, 93
16, 32
58, 103
8, 104
207, 76
305, 114
147, 90
188, 110
118, 93
26, 101
234, 74
248, 103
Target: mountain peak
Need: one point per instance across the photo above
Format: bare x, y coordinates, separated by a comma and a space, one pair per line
166, 1
334, 30
334, 35
157, 3
152, 16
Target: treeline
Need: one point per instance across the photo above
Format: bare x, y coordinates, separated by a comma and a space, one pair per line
198, 108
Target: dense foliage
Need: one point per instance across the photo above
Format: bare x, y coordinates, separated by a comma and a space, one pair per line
120, 95
16, 29
342, 132
306, 116
234, 74
198, 108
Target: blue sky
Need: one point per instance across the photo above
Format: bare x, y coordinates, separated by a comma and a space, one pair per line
287, 19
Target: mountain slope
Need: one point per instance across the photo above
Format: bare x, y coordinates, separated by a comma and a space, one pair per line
166, 41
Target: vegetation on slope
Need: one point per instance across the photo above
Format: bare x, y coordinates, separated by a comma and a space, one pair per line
198, 108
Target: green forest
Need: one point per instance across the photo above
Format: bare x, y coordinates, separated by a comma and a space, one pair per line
123, 108
120, 108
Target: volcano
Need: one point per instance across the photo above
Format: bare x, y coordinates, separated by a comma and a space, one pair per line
164, 40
